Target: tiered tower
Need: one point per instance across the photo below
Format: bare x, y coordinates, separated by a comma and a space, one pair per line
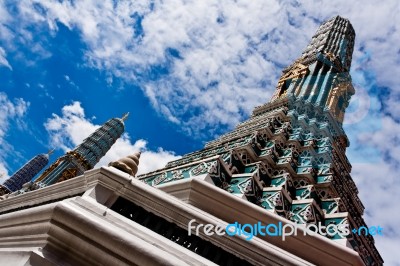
25, 173
85, 156
289, 156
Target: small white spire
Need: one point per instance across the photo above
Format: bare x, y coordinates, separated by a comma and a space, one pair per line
125, 116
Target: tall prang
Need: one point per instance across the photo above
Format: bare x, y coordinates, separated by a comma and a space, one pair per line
25, 173
289, 156
85, 156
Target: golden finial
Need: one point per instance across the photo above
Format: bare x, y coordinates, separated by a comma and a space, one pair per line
125, 116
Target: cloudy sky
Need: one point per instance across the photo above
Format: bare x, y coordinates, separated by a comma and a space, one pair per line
188, 71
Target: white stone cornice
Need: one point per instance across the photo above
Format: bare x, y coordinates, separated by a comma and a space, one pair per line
83, 230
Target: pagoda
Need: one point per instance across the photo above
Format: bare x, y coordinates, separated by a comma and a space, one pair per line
289, 156
25, 173
83, 157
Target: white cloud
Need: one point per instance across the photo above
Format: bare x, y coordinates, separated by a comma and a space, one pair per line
378, 187
217, 57
211, 65
5, 33
376, 163
3, 173
69, 129
10, 112
72, 127
3, 60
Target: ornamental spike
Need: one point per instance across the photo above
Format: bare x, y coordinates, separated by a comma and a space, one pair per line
125, 116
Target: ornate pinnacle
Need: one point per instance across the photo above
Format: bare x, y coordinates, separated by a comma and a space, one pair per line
128, 164
125, 116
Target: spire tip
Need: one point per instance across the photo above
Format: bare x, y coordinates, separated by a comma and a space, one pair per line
125, 116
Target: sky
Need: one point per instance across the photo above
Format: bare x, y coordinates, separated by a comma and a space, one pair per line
188, 71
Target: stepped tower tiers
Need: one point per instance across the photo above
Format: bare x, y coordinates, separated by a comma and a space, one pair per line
25, 173
85, 156
289, 156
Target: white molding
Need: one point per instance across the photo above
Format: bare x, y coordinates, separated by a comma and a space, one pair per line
83, 230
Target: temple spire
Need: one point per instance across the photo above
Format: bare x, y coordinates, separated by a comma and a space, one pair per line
85, 156
25, 174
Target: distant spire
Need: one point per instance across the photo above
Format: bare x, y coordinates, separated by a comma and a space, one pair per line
84, 156
50, 152
125, 116
25, 174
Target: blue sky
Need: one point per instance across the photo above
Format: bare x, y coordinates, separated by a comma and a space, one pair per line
188, 71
